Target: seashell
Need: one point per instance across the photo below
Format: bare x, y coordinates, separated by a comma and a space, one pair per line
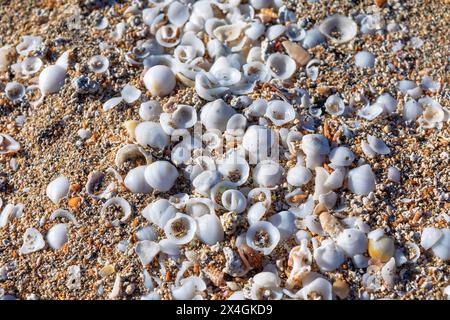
216, 49
60, 213
161, 175
146, 233
230, 32
330, 224
393, 174
8, 145
178, 14
209, 229
430, 236
10, 211
304, 209
334, 105
262, 236
215, 115
197, 207
365, 59
275, 31
235, 169
159, 80
180, 229
151, 134
150, 110
256, 71
135, 180
146, 251
280, 112
298, 176
205, 181
130, 93
255, 30
335, 179
120, 202
159, 212
98, 64
328, 199
361, 180
130, 152
285, 223
412, 110
58, 189
28, 44
405, 85
267, 173
388, 102
51, 79
341, 157
281, 66
315, 144
388, 272
169, 247
300, 259
256, 212
442, 248
328, 256
428, 84
6, 54
57, 236
32, 241
168, 36
257, 108
377, 145
31, 65
293, 140
234, 200
380, 246
266, 287
179, 200
207, 88
367, 150
338, 29
370, 112
236, 125
433, 112
352, 242
111, 103
318, 289
312, 38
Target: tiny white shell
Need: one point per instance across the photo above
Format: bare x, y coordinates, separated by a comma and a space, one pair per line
209, 229
412, 110
430, 236
442, 248
169, 247
146, 251
122, 203
57, 236
234, 200
130, 152
178, 13
339, 29
335, 105
352, 242
255, 30
159, 80
361, 180
341, 157
168, 36
388, 272
430, 85
151, 134
146, 233
266, 228
135, 180
14, 91
256, 212
130, 93
267, 173
32, 241
31, 65
207, 88
393, 174
315, 144
320, 287
365, 59
388, 102
8, 145
28, 44
161, 175
280, 112
51, 79
215, 115
328, 256
285, 223
98, 64
275, 31
205, 181
180, 229
197, 207
58, 189
378, 145
328, 199
159, 212
370, 112
111, 103
150, 110
298, 176
313, 37
281, 66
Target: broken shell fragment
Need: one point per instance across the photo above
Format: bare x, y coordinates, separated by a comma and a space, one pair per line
58, 189
32, 241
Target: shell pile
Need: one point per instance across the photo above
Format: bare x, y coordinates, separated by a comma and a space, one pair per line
237, 173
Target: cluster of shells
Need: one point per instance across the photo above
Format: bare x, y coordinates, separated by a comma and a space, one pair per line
229, 153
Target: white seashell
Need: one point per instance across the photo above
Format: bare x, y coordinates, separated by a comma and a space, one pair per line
328, 256
335, 105
58, 189
230, 32
388, 272
315, 144
130, 152
161, 175
367, 150
433, 112
8, 145
31, 65
235, 169
150, 110
312, 223
300, 259
280, 112
179, 200
341, 157
352, 242
178, 13
430, 85
294, 139
442, 248
10, 211
159, 80
388, 102
377, 145
360, 261
146, 251
180, 229
207, 88
255, 30
319, 182
430, 236
236, 125
393, 174
135, 180
57, 236
298, 176
412, 110
95, 180
318, 287
205, 181
61, 213
234, 200
168, 36
335, 179
197, 207
339, 29
151, 134
361, 180
267, 173
159, 212
256, 71
266, 286
257, 108
365, 59
28, 44
405, 85
51, 79
312, 38
281, 66
146, 233
256, 212
260, 194
215, 115
209, 229
130, 93
14, 91
275, 31
370, 112
120, 202
256, 230
285, 223
328, 199
169, 247
259, 141
304, 209
98, 64
111, 103
32, 241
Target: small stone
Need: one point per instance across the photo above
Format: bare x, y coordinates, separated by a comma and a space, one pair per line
296, 52
341, 289
107, 270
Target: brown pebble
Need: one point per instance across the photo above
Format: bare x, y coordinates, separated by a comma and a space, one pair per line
341, 289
